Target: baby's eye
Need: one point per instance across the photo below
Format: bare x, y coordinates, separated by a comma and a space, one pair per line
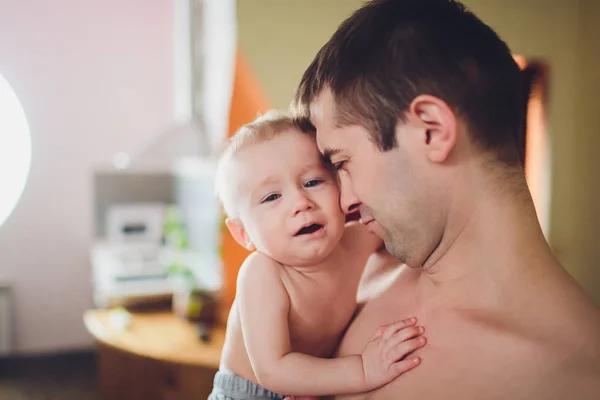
271, 197
313, 182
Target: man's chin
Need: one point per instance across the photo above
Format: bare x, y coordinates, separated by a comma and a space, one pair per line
394, 251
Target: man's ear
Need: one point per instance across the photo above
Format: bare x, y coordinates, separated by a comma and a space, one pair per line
439, 123
237, 230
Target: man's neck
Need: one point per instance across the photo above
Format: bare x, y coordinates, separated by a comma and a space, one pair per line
491, 236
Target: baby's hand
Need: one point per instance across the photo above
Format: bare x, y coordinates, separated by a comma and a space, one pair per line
383, 357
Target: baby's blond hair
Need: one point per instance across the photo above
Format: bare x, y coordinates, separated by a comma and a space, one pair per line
262, 129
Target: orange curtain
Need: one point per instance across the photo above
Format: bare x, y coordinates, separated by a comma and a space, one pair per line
247, 102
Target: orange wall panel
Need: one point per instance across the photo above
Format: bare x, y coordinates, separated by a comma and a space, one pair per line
247, 102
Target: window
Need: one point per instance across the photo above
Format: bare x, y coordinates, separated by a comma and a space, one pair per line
15, 150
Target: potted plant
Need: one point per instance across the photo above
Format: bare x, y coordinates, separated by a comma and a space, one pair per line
189, 300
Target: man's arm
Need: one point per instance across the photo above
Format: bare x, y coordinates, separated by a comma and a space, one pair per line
264, 307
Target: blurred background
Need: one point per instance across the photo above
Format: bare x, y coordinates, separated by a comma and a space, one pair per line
112, 114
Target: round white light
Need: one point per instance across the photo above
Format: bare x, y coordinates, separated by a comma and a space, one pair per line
15, 150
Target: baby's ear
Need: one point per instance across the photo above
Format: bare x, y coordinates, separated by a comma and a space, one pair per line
237, 230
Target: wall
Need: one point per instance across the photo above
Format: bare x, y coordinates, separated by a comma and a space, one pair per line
281, 38
586, 135
94, 78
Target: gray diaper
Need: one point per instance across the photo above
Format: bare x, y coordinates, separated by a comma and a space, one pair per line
229, 386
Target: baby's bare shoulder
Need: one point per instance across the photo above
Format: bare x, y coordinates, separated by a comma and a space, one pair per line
257, 267
359, 241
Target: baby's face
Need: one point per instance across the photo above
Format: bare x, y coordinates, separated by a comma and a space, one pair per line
288, 200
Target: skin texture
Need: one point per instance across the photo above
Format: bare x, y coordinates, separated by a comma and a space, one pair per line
504, 320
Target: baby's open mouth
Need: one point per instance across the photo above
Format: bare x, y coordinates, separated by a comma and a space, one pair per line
309, 229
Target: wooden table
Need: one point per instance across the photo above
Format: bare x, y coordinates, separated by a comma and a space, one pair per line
159, 356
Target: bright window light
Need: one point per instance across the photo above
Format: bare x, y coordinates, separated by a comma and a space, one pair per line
15, 150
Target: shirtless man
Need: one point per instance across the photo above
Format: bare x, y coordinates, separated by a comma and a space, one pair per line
416, 103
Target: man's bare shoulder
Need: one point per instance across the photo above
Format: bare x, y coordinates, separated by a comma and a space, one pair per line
567, 319
575, 337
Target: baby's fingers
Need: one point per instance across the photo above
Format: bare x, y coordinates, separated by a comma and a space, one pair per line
404, 348
403, 335
403, 366
387, 331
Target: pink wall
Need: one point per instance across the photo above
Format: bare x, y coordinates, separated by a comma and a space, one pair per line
94, 78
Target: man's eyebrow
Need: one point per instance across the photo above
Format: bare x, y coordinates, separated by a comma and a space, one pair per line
328, 153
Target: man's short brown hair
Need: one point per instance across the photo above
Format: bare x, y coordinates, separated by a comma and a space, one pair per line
390, 51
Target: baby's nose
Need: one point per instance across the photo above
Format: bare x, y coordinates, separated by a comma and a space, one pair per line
302, 203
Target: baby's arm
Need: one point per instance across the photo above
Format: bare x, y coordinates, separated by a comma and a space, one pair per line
264, 308
360, 240
360, 245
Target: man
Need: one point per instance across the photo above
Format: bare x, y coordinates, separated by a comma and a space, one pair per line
417, 104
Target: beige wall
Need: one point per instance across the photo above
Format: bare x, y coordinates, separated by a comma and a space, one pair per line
585, 134
281, 37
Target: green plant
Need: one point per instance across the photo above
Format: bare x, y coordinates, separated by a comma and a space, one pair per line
177, 240
174, 230
183, 276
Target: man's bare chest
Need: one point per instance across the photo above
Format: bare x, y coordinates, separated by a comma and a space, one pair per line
465, 357
390, 306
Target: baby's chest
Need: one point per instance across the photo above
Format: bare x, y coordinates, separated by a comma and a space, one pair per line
317, 322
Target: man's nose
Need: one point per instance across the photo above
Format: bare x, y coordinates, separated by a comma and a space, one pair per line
348, 200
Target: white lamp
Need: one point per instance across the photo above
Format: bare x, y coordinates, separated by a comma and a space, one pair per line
15, 150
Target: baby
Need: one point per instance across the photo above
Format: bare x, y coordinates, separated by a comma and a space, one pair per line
296, 292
